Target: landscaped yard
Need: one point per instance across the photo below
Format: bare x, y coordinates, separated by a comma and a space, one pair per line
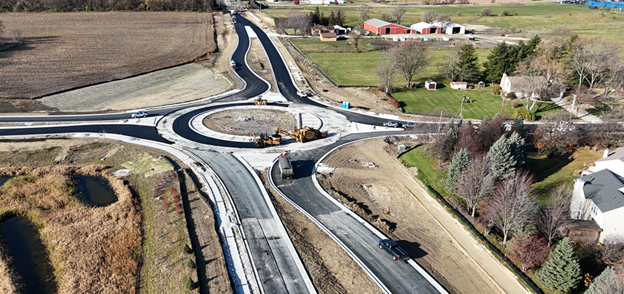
356, 69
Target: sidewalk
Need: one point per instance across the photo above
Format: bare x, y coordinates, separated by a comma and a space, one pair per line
580, 113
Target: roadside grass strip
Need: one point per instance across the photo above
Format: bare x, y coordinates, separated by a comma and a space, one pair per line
146, 162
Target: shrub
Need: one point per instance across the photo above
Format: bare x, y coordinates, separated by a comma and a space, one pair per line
190, 263
176, 199
394, 102
511, 95
505, 12
486, 12
496, 90
515, 104
189, 284
178, 208
524, 114
458, 13
187, 249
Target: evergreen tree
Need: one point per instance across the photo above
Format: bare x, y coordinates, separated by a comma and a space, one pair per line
332, 19
503, 162
606, 282
561, 271
532, 44
518, 126
315, 18
340, 18
323, 19
469, 63
446, 146
460, 161
498, 62
517, 149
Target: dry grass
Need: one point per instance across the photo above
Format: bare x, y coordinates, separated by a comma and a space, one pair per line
8, 277
61, 51
92, 250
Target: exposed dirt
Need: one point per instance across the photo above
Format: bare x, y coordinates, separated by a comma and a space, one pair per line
61, 51
259, 62
390, 187
250, 122
16, 106
227, 40
330, 268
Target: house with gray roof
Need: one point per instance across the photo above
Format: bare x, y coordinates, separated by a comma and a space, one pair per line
600, 197
611, 160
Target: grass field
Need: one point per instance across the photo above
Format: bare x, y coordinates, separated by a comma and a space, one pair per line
60, 51
356, 69
315, 45
533, 18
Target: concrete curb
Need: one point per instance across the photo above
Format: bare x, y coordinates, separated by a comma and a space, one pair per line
282, 230
253, 72
374, 230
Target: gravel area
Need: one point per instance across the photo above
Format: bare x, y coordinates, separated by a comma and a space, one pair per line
249, 122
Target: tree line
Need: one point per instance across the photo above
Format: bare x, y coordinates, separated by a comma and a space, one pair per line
107, 5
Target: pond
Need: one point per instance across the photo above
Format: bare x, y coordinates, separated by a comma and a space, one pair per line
29, 255
95, 191
4, 180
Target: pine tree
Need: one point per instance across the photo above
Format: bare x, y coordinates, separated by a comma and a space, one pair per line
606, 282
446, 146
340, 18
469, 63
518, 126
460, 161
315, 18
532, 44
497, 63
503, 162
332, 19
561, 271
517, 149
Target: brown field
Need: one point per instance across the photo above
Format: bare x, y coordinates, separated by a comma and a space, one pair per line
93, 250
61, 51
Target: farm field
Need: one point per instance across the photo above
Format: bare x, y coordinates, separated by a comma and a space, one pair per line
356, 69
61, 51
533, 18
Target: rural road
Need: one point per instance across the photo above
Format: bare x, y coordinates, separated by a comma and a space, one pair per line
275, 265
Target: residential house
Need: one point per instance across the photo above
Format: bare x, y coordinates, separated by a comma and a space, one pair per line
522, 86
599, 196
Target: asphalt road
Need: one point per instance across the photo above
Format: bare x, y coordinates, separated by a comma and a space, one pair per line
398, 277
274, 263
141, 132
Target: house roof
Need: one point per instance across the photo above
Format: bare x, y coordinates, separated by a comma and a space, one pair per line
445, 24
381, 23
580, 224
421, 25
602, 188
522, 83
617, 154
328, 35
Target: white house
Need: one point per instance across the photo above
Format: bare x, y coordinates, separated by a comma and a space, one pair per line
449, 28
459, 85
600, 196
521, 85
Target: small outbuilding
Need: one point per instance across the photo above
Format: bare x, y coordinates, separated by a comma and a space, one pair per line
381, 27
328, 37
430, 84
425, 28
459, 85
450, 28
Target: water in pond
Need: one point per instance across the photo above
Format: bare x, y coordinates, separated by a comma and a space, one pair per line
3, 180
29, 255
94, 191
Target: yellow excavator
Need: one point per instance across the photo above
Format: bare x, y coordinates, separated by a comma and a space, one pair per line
260, 101
265, 140
303, 135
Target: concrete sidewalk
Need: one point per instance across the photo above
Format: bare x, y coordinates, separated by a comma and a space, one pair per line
580, 113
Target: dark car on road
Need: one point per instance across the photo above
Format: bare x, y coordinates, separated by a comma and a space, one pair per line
408, 125
394, 249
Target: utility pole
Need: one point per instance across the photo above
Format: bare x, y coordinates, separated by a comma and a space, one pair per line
572, 109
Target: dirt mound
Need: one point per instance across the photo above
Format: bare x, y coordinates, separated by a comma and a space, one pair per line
249, 122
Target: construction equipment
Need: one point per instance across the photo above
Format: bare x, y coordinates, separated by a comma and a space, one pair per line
260, 101
265, 140
304, 135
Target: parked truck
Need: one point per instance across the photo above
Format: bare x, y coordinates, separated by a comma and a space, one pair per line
394, 249
286, 170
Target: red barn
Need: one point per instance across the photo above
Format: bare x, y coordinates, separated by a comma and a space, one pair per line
381, 27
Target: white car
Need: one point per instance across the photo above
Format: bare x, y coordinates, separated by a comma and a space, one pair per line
139, 114
302, 94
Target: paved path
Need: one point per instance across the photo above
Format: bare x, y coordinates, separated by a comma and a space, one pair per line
580, 113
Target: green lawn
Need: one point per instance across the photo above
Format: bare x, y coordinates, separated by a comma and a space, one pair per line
557, 170
533, 18
428, 174
315, 45
356, 69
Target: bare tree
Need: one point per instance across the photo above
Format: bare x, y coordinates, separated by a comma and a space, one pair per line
356, 36
476, 183
554, 217
411, 57
612, 250
513, 203
451, 68
386, 70
299, 22
444, 17
428, 16
613, 77
363, 12
398, 12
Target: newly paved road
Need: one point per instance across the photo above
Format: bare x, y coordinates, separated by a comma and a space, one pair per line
398, 277
274, 263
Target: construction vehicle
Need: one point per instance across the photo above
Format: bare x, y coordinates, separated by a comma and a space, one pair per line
304, 135
260, 101
265, 140
286, 170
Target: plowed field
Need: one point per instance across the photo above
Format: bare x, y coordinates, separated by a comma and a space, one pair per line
61, 51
